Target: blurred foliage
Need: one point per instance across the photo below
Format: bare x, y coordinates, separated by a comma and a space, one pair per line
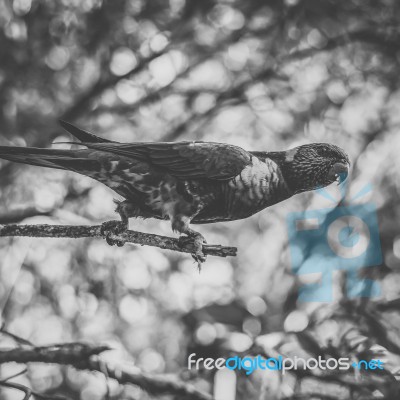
262, 75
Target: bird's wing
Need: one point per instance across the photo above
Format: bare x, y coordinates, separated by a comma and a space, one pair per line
184, 160
82, 135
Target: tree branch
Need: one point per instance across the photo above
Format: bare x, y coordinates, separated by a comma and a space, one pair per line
69, 353
153, 384
143, 239
80, 355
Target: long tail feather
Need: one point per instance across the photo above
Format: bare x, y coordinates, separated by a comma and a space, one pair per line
50, 158
82, 135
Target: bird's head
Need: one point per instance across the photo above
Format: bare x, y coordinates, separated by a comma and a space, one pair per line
315, 165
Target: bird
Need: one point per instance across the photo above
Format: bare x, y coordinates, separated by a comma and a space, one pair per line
189, 182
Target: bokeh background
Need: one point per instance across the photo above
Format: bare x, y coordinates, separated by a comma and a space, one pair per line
264, 75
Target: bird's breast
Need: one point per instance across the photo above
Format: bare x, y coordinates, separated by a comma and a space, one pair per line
259, 185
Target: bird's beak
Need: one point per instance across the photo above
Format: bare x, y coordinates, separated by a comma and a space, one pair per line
339, 172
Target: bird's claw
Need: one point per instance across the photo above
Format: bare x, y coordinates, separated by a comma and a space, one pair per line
197, 241
110, 228
184, 241
199, 258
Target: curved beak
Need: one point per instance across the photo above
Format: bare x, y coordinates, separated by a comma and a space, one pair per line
339, 172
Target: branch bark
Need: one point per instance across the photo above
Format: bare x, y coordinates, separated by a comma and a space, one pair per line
143, 239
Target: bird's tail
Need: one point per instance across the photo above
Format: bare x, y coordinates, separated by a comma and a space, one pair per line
82, 135
74, 160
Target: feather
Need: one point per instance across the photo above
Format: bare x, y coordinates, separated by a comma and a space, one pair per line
82, 135
200, 160
191, 182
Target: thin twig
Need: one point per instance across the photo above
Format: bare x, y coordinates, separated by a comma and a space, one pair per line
29, 392
143, 239
16, 375
17, 339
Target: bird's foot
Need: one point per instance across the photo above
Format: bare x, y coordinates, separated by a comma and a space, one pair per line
197, 241
111, 228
